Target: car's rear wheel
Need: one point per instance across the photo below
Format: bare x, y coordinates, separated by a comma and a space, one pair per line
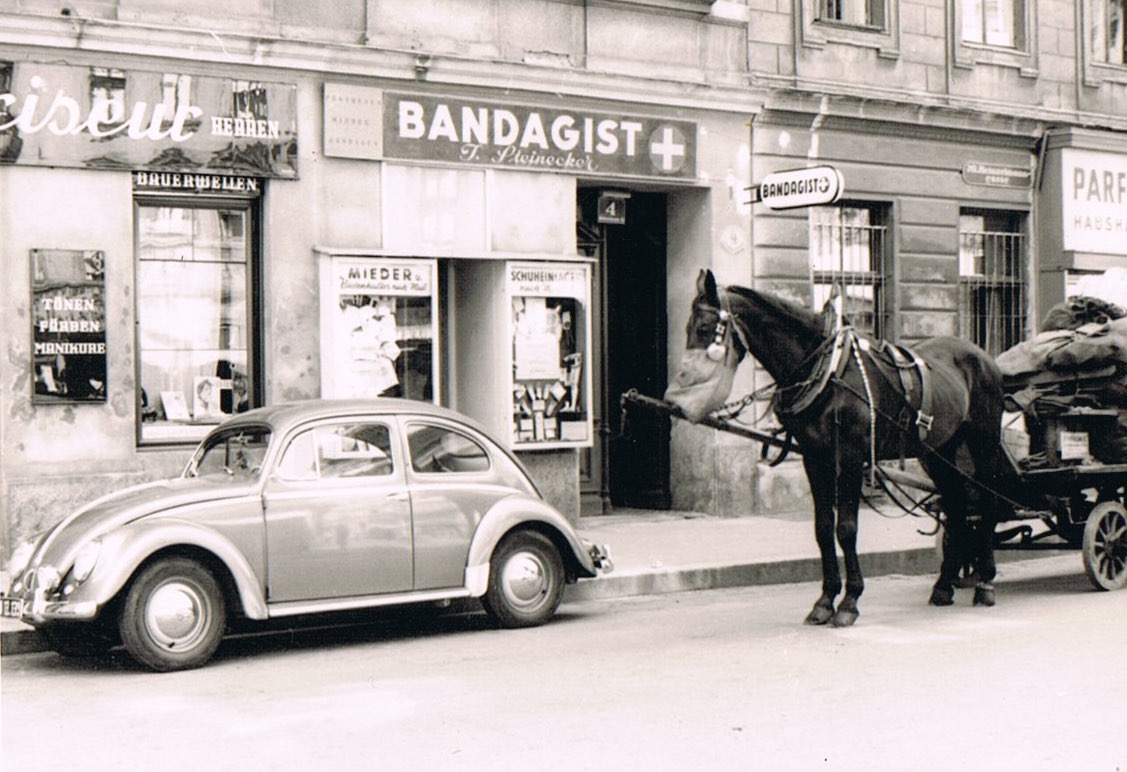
91, 639
173, 616
526, 580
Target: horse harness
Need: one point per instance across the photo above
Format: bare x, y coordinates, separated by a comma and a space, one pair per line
909, 371
899, 365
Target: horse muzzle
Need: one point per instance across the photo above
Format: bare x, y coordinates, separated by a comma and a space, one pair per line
701, 385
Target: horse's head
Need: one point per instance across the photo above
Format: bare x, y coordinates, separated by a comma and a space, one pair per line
712, 352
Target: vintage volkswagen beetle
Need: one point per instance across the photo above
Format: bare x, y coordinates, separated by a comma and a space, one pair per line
296, 509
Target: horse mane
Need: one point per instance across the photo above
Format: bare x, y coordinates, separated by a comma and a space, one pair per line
804, 317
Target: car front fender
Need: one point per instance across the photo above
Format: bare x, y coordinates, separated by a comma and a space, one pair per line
517, 512
126, 548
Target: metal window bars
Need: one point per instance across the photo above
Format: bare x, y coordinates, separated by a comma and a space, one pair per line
847, 248
992, 291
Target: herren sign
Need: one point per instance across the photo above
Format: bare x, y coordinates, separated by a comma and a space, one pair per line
477, 132
798, 187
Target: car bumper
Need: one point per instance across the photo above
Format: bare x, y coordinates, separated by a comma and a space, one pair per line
34, 607
600, 556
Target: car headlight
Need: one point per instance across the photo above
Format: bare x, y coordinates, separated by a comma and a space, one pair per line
18, 562
85, 560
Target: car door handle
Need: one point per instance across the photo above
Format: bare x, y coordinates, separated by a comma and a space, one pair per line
397, 496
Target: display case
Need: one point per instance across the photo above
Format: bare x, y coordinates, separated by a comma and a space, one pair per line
550, 334
379, 327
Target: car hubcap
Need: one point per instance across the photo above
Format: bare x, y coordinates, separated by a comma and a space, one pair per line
177, 615
525, 579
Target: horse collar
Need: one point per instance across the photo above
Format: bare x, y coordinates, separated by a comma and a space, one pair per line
827, 368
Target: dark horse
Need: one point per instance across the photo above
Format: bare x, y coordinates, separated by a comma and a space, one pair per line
830, 407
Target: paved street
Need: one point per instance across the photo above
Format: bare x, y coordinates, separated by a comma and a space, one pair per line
721, 679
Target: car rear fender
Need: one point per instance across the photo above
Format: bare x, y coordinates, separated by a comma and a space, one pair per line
126, 548
514, 513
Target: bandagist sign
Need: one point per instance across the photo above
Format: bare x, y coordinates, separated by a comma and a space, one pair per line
68, 325
813, 186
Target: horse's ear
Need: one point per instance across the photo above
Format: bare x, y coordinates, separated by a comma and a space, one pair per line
706, 286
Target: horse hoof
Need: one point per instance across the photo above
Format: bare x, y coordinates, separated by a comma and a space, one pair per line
941, 597
820, 615
845, 617
984, 596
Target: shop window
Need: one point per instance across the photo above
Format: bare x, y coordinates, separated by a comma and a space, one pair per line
854, 13
1107, 39
848, 247
994, 22
195, 317
991, 279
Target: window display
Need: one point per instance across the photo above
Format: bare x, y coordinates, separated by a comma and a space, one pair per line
550, 329
378, 328
193, 318
68, 329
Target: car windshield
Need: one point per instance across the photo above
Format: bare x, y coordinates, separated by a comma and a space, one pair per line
233, 452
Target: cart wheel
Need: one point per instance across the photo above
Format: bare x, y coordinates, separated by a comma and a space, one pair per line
1105, 546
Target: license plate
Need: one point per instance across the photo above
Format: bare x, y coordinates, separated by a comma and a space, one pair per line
12, 607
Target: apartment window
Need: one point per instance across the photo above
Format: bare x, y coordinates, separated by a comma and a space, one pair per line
854, 13
992, 279
1108, 43
994, 22
107, 98
848, 247
195, 316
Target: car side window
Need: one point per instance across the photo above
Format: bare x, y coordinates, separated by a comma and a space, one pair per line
439, 449
353, 450
339, 450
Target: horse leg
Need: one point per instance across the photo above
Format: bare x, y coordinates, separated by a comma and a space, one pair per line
953, 495
848, 503
988, 458
821, 478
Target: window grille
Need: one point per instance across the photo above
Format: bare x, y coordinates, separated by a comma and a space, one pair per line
991, 280
848, 246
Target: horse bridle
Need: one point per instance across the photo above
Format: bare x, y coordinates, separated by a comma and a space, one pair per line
722, 333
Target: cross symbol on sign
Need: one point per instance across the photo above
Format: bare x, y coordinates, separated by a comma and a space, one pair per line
667, 149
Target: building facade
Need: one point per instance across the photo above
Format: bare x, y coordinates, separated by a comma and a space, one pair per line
501, 206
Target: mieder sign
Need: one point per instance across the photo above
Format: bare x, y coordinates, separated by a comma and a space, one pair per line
796, 188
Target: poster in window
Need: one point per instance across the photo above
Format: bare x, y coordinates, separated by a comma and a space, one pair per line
379, 327
550, 328
68, 325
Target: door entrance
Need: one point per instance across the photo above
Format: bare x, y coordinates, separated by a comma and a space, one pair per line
631, 469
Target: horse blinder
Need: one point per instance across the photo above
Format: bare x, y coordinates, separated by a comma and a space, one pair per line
718, 348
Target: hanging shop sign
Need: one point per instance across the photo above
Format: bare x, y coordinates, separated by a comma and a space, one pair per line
1094, 201
372, 124
550, 331
68, 325
108, 118
812, 186
379, 327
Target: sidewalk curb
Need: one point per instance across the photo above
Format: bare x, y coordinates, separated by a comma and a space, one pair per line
658, 580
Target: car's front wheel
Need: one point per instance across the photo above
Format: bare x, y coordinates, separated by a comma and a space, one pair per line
526, 580
173, 616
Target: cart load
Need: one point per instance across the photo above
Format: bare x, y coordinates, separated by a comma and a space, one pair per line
1070, 384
